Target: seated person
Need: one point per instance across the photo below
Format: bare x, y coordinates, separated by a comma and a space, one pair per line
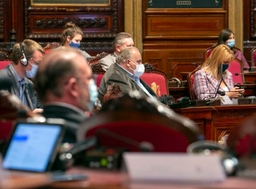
213, 80
126, 73
71, 37
227, 37
66, 88
121, 41
25, 59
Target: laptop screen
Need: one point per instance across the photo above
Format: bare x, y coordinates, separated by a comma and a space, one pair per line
33, 147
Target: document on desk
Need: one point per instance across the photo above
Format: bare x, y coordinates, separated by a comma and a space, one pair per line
174, 167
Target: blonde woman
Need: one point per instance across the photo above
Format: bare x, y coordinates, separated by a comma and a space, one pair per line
213, 80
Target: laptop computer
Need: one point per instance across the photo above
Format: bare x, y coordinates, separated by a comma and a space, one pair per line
32, 146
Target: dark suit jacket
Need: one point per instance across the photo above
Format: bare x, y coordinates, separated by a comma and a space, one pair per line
115, 74
72, 116
31, 95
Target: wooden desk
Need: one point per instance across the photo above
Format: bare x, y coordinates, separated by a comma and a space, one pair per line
178, 92
250, 77
216, 121
120, 180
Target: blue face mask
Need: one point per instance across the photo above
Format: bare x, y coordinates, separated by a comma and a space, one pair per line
223, 67
74, 45
231, 43
31, 73
93, 94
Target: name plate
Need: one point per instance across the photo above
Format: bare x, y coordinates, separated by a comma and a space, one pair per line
184, 4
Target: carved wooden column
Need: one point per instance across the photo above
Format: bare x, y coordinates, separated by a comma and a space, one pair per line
133, 21
235, 20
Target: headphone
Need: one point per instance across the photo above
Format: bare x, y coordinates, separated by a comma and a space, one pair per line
24, 60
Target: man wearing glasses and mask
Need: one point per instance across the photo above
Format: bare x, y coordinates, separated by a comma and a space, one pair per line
25, 59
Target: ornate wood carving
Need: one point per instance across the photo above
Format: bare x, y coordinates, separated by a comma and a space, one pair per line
96, 22
253, 18
2, 19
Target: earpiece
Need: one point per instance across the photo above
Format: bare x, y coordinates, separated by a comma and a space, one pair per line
24, 60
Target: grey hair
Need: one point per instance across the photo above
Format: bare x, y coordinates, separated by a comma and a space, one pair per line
126, 54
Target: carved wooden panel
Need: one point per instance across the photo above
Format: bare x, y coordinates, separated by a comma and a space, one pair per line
2, 15
174, 61
95, 22
180, 26
178, 37
253, 18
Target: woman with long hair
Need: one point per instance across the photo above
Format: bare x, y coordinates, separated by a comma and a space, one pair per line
213, 80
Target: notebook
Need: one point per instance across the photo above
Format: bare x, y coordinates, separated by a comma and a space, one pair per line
174, 167
33, 146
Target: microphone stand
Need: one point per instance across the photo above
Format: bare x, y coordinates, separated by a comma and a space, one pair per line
218, 86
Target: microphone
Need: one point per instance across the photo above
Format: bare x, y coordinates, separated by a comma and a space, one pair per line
237, 74
142, 146
67, 158
218, 86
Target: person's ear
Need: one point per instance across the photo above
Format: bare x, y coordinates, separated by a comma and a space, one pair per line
68, 38
73, 87
118, 48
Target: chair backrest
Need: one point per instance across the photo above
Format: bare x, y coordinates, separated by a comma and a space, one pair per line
132, 122
242, 138
50, 46
4, 60
253, 57
156, 79
207, 52
236, 68
113, 91
96, 59
98, 73
191, 83
10, 107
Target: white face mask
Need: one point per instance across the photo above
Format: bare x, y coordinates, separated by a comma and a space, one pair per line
93, 92
139, 70
31, 73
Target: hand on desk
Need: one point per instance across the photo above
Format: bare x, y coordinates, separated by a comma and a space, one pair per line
235, 92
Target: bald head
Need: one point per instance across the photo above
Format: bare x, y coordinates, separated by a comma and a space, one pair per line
56, 69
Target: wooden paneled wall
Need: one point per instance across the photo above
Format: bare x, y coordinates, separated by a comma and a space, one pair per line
249, 27
19, 19
175, 39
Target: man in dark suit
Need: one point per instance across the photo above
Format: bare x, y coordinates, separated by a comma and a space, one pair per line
66, 88
126, 73
25, 59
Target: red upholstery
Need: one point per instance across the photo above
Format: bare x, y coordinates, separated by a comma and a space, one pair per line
5, 129
208, 52
236, 68
157, 82
98, 78
4, 63
156, 79
140, 131
50, 46
191, 83
242, 138
136, 120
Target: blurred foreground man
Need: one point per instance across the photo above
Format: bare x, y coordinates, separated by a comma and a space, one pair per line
66, 88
